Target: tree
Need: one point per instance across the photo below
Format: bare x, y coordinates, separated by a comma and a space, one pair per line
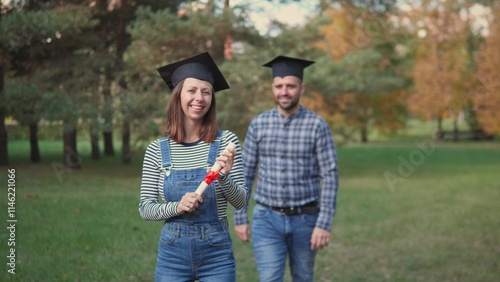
486, 96
24, 104
4, 60
440, 64
114, 18
4, 153
444, 62
53, 51
32, 36
368, 72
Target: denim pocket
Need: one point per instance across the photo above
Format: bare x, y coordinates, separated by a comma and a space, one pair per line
309, 219
167, 236
218, 237
260, 212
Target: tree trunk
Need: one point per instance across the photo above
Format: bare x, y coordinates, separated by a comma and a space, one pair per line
439, 134
104, 32
122, 42
107, 135
4, 153
108, 115
228, 42
70, 153
364, 134
94, 143
126, 152
455, 130
35, 151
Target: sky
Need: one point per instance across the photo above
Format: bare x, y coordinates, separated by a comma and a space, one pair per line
264, 11
296, 13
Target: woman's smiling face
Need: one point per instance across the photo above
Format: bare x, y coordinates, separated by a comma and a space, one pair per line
196, 98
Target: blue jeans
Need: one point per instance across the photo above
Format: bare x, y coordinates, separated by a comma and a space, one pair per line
275, 235
203, 252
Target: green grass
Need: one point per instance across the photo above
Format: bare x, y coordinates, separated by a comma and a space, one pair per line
438, 223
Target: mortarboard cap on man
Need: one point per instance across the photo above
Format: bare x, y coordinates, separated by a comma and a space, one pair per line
201, 66
284, 66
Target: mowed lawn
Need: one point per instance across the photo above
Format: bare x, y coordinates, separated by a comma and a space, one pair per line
418, 211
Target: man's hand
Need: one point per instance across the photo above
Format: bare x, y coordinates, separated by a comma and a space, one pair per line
243, 232
320, 238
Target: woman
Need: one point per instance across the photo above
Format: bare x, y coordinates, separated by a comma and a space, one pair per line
195, 243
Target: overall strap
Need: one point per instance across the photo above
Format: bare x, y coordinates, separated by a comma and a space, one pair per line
166, 161
214, 150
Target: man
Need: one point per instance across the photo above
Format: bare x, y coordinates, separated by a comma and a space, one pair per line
293, 151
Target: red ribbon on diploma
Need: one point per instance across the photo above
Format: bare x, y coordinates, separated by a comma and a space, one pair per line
211, 176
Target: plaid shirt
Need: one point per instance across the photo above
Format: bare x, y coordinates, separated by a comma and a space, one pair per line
293, 155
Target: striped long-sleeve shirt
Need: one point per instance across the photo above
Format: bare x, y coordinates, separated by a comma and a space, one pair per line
229, 188
294, 161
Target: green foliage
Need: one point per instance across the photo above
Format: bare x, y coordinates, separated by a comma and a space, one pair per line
46, 131
359, 72
73, 53
52, 50
249, 94
42, 27
161, 37
23, 102
144, 109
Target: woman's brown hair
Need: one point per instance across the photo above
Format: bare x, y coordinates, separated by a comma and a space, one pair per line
175, 118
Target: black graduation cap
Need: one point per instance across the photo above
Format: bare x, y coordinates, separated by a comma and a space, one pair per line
201, 66
283, 66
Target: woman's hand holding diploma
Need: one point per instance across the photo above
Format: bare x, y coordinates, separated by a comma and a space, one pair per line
223, 164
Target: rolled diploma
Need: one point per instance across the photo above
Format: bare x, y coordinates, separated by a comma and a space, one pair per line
212, 174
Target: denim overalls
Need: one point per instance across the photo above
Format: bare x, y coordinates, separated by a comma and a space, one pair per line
196, 245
